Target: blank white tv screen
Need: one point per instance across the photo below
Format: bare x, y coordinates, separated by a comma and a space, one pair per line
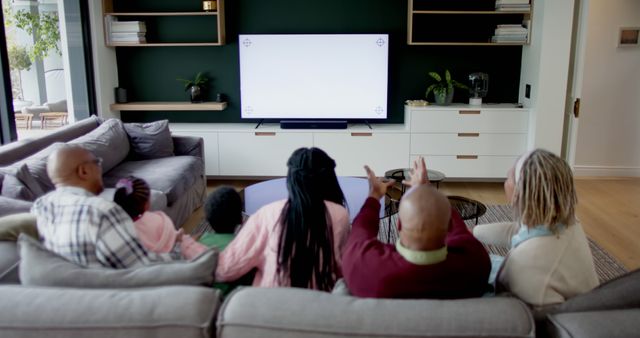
319, 76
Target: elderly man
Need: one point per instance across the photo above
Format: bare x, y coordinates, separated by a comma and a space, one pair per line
435, 256
81, 226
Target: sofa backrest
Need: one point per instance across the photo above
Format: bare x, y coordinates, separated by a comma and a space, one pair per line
21, 149
292, 312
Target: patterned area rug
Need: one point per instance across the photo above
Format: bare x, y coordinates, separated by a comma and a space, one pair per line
607, 266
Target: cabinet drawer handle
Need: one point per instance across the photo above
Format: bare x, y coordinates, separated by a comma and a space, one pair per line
469, 112
361, 134
468, 134
265, 133
467, 157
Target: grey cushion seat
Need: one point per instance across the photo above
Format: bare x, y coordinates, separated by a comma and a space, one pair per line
9, 260
170, 311
293, 312
163, 174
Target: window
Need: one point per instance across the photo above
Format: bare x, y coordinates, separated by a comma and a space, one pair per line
49, 71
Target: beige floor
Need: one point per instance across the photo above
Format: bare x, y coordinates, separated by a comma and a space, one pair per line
609, 210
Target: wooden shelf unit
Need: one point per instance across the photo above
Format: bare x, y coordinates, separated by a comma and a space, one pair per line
461, 15
108, 11
169, 106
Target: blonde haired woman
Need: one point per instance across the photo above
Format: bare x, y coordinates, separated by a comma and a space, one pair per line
549, 260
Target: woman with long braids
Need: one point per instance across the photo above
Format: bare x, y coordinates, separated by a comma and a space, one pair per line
298, 241
549, 260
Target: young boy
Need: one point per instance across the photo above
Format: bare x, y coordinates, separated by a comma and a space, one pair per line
223, 212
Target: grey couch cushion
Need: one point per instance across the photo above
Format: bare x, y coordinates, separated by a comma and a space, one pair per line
18, 183
37, 165
162, 312
9, 261
619, 293
41, 267
171, 175
292, 312
109, 141
611, 324
10, 206
17, 151
149, 140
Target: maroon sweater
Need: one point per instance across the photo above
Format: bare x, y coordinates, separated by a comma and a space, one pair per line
375, 269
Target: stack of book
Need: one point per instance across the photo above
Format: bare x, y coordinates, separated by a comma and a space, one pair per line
131, 32
513, 5
510, 34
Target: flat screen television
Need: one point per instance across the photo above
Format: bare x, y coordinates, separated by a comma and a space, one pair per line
314, 76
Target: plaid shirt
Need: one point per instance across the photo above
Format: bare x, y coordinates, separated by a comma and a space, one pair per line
90, 230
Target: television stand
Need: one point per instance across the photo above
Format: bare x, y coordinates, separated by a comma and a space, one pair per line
313, 124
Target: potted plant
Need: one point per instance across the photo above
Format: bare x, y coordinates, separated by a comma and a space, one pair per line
195, 87
443, 88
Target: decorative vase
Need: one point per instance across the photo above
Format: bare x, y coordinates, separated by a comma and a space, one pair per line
443, 99
195, 93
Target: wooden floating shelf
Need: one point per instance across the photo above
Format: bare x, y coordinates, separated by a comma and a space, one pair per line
168, 106
163, 14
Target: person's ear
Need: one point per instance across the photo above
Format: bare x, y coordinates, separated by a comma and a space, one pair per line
82, 171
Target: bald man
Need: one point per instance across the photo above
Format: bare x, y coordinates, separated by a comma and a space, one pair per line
434, 257
81, 226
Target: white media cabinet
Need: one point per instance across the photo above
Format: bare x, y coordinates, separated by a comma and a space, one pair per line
462, 141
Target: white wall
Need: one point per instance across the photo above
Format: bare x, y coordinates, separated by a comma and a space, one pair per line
545, 64
104, 64
608, 137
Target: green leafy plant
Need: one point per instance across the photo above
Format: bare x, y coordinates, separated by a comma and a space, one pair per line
200, 80
443, 87
44, 26
18, 61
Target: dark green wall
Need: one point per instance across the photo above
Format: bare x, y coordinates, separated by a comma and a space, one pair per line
149, 74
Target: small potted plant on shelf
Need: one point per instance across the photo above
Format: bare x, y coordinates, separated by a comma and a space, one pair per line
443, 88
195, 87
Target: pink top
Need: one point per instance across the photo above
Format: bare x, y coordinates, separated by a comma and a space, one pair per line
157, 233
256, 245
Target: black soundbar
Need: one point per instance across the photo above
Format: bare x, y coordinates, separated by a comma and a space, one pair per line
313, 124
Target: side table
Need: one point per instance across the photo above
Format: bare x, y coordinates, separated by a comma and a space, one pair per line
60, 117
27, 118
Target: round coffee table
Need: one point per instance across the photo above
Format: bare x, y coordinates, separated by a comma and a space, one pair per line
467, 208
401, 174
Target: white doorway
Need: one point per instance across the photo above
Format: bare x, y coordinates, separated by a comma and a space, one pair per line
605, 139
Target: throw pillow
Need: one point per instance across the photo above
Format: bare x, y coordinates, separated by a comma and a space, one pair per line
19, 184
12, 226
109, 141
150, 140
41, 267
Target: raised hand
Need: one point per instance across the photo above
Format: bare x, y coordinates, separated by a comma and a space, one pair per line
377, 186
418, 174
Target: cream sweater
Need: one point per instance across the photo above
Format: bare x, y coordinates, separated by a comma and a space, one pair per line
543, 270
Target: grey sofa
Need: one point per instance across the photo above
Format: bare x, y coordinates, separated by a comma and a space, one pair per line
178, 182
611, 310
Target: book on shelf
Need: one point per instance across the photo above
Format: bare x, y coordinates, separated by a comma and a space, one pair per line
512, 2
509, 38
128, 26
516, 8
511, 31
141, 39
123, 35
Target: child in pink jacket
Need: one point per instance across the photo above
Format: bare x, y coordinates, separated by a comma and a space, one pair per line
155, 230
